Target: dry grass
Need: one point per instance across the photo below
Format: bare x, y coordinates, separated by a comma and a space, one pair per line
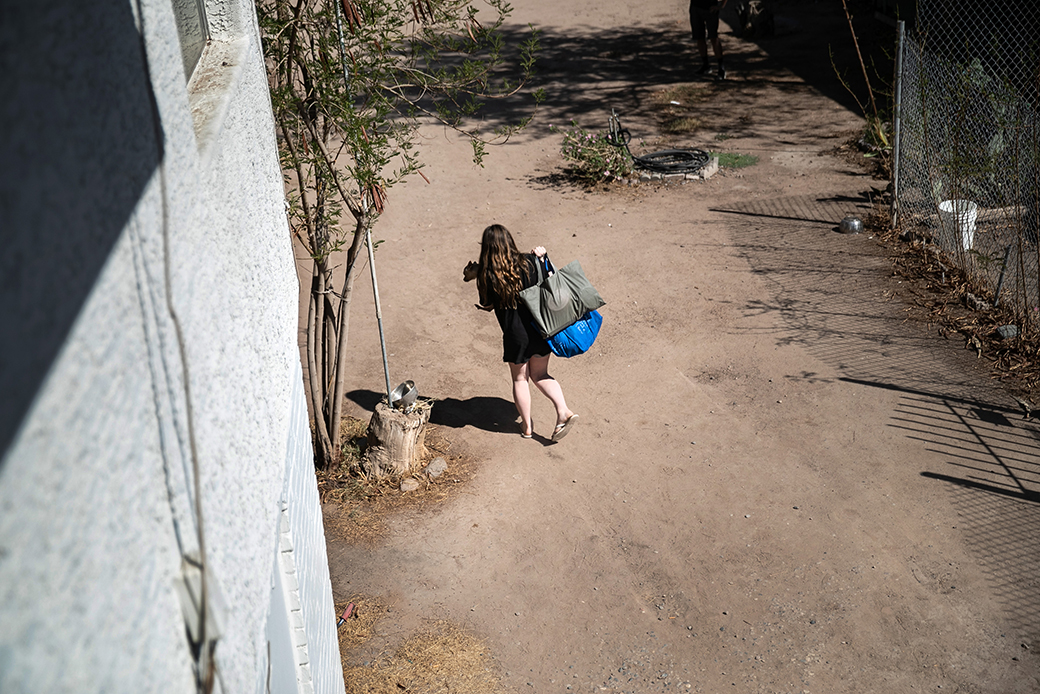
681, 125
361, 625
355, 507
675, 107
937, 291
440, 657
849, 151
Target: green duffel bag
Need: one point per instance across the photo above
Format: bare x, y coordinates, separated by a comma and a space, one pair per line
560, 297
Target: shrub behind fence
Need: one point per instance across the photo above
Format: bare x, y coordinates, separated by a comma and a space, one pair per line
968, 152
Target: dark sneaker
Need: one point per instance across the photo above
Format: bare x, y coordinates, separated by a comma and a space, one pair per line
721, 74
703, 68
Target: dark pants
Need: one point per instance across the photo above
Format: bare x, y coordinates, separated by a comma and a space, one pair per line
704, 20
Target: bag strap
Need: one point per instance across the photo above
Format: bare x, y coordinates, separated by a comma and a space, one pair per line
550, 270
542, 273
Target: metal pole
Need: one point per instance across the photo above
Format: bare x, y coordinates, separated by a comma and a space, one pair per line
897, 118
379, 313
368, 231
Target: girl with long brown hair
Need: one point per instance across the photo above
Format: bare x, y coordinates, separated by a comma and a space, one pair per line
503, 272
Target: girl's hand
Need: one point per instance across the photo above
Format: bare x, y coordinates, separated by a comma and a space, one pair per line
539, 251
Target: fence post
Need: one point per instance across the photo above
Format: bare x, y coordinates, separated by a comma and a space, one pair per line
897, 121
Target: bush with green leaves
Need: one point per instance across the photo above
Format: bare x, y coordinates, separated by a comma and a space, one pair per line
593, 158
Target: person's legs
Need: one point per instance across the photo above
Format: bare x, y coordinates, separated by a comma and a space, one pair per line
697, 28
716, 43
522, 396
702, 48
538, 370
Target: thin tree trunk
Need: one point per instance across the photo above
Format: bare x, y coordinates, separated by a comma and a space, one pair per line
324, 447
320, 318
315, 308
330, 340
321, 367
866, 77
338, 394
315, 390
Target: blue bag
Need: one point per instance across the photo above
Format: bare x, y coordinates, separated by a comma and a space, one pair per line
577, 337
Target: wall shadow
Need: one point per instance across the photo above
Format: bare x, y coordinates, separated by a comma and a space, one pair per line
79, 139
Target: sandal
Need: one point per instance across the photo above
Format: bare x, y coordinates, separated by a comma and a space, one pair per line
520, 425
562, 430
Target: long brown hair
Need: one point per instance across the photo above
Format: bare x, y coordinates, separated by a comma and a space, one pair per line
500, 266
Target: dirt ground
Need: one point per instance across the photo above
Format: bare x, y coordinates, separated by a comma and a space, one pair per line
778, 483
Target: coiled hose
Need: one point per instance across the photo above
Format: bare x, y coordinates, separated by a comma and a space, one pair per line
667, 161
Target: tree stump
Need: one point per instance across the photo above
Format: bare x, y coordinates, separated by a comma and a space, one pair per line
396, 439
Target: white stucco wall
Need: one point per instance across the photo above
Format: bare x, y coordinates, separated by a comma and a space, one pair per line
96, 470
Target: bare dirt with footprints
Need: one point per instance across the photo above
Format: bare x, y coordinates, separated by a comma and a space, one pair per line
778, 482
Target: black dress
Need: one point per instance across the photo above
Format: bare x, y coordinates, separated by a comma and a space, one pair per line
521, 339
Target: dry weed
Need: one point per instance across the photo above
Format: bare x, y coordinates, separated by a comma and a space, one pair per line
938, 290
674, 107
361, 625
440, 658
355, 506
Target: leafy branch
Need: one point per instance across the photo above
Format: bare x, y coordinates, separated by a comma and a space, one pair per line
351, 82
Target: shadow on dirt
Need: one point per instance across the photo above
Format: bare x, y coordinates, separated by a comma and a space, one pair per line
825, 290
994, 455
486, 413
832, 297
587, 71
827, 210
815, 44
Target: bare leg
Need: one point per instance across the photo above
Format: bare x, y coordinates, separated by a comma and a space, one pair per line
522, 396
702, 48
538, 369
716, 47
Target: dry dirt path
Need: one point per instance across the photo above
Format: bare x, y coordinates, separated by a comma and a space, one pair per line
777, 484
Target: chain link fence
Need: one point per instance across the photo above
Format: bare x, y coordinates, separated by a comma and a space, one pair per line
968, 146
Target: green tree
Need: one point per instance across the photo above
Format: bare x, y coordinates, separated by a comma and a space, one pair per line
351, 83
